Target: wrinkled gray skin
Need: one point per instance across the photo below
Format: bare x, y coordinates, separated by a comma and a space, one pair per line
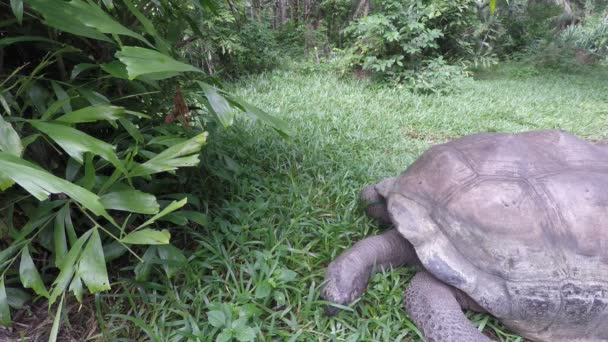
515, 225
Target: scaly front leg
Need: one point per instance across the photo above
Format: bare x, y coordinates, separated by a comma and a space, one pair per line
347, 276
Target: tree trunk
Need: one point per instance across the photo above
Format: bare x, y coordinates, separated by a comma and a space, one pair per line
362, 9
283, 11
255, 10
306, 10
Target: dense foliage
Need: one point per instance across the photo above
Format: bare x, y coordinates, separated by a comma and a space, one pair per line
99, 115
406, 40
429, 45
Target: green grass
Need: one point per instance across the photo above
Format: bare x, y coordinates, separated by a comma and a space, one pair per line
280, 211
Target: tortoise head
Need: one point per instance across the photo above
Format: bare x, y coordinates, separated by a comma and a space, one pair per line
373, 198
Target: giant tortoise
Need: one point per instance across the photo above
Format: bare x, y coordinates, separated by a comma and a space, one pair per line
515, 225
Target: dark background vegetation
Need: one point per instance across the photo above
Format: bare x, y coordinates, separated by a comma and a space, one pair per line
104, 211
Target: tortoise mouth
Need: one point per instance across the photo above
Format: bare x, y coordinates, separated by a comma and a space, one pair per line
379, 211
370, 196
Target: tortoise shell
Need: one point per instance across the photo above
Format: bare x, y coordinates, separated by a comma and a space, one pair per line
519, 222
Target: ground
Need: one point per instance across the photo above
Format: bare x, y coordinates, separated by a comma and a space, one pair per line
281, 210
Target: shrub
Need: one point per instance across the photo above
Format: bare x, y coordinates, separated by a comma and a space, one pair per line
404, 41
230, 49
588, 39
89, 159
434, 76
576, 45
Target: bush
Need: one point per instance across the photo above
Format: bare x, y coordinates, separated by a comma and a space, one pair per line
258, 51
96, 128
576, 45
403, 43
589, 39
434, 76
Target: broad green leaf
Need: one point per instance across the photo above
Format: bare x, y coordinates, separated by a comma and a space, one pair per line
92, 266
10, 143
39, 97
177, 220
216, 318
241, 331
40, 183
39, 219
263, 289
287, 275
59, 237
64, 16
138, 114
492, 6
11, 250
113, 250
71, 169
17, 298
224, 336
56, 321
218, 105
194, 216
93, 16
132, 130
172, 158
109, 4
61, 95
172, 258
254, 112
88, 180
39, 215
68, 268
93, 114
4, 103
29, 139
9, 139
166, 140
82, 18
142, 270
145, 22
29, 276
75, 142
5, 311
151, 78
69, 227
76, 288
53, 108
173, 206
25, 39
17, 7
161, 44
80, 68
93, 97
116, 69
131, 200
147, 236
5, 183
141, 61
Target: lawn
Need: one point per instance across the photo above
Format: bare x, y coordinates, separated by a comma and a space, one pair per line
281, 210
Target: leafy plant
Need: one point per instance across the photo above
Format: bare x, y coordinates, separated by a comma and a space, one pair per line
406, 35
589, 39
434, 76
89, 159
232, 321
